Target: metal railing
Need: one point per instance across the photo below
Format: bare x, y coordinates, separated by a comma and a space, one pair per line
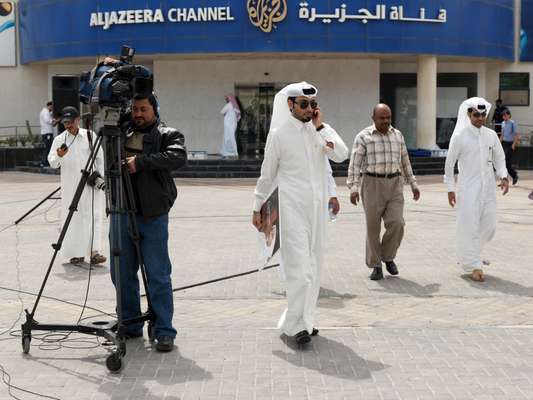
14, 135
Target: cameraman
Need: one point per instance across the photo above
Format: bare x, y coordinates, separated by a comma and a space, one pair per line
152, 150
70, 151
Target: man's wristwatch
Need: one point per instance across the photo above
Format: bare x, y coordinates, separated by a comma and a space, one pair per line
506, 179
320, 127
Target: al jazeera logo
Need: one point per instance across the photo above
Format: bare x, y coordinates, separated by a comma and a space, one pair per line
264, 14
6, 7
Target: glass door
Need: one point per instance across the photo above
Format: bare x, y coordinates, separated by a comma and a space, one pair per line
256, 103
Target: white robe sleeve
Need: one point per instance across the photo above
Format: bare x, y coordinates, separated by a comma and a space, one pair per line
226, 108
451, 159
332, 186
339, 153
499, 158
45, 118
53, 159
269, 171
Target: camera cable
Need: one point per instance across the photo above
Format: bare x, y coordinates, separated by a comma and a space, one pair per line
224, 278
45, 213
50, 341
6, 377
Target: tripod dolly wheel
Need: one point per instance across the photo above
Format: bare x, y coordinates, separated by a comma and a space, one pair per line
26, 340
114, 362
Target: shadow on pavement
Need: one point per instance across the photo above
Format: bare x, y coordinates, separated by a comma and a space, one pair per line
329, 357
145, 366
331, 299
405, 286
74, 273
495, 284
327, 298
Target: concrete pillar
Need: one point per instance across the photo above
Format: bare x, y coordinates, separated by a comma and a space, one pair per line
426, 118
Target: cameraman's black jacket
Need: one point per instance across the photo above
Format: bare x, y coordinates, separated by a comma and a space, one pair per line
163, 151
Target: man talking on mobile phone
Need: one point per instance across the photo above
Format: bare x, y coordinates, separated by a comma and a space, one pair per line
297, 149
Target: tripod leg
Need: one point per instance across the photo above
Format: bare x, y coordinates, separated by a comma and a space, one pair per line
36, 206
73, 208
133, 229
124, 236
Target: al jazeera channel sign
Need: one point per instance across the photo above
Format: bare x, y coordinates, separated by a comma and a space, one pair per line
253, 26
8, 55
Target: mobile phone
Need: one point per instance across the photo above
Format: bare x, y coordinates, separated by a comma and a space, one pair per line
64, 147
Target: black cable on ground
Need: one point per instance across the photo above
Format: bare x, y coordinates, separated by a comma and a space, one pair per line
57, 299
33, 216
225, 278
7, 227
6, 378
17, 265
50, 341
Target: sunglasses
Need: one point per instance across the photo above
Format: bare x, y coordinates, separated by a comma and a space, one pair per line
476, 114
303, 104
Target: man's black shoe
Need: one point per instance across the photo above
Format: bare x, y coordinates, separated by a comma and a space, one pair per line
515, 179
302, 337
377, 274
391, 267
164, 344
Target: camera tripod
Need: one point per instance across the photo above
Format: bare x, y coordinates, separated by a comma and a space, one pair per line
120, 200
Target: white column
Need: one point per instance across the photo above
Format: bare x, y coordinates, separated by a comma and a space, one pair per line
426, 118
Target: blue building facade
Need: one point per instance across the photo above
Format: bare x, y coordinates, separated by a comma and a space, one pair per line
422, 57
59, 29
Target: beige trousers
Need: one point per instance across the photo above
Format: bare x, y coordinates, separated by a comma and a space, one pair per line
382, 200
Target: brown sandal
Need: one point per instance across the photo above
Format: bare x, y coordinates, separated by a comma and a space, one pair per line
98, 259
76, 260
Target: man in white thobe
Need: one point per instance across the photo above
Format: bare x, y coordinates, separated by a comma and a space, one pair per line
47, 123
295, 159
481, 160
70, 152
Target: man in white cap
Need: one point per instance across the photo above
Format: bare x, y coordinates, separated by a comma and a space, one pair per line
70, 152
296, 153
481, 160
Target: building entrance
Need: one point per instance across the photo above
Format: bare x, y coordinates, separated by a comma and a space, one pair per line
399, 92
256, 103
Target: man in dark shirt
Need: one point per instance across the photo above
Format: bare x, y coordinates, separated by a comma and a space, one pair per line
152, 150
497, 117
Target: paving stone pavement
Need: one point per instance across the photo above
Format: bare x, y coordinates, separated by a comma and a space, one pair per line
429, 333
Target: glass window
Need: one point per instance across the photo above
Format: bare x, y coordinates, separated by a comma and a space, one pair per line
514, 88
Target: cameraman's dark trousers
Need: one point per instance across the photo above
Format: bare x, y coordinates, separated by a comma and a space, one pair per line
154, 248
